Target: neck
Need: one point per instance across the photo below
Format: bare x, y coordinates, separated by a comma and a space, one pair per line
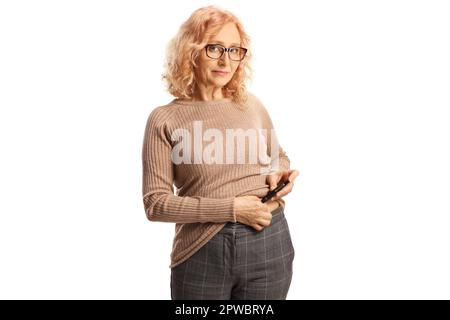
204, 93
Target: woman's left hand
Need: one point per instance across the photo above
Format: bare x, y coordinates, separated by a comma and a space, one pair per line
285, 175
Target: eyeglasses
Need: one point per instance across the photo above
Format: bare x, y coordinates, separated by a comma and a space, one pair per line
215, 51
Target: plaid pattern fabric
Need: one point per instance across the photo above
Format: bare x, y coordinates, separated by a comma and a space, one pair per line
239, 263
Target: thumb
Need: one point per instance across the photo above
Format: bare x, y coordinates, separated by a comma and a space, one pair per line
273, 181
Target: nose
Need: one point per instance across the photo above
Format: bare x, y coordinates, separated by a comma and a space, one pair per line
224, 59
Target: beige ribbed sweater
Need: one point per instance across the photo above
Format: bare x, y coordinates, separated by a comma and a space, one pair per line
202, 201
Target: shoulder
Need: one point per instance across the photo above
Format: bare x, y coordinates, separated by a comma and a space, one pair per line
162, 115
252, 99
256, 103
159, 122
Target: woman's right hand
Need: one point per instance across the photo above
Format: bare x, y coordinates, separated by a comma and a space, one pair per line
251, 211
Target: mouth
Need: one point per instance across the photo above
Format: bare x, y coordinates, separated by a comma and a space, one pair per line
220, 73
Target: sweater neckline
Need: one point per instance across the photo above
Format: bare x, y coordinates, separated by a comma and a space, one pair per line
219, 102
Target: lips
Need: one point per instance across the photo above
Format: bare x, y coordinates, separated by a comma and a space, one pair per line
219, 72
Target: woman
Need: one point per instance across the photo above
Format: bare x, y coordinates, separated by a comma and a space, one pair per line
228, 244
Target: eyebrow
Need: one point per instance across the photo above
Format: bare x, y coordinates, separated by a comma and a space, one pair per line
220, 42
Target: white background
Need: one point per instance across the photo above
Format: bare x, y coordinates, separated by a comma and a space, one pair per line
359, 95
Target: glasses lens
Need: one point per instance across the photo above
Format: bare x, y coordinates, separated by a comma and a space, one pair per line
237, 54
214, 52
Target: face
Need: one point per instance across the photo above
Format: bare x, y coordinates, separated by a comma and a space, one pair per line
228, 36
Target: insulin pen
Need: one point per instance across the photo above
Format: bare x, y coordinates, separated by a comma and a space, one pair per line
271, 193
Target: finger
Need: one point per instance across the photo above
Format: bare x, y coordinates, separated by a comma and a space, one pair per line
273, 180
275, 197
265, 221
285, 175
290, 175
285, 190
270, 182
263, 208
257, 227
293, 174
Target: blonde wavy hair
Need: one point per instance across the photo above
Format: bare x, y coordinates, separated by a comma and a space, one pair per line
183, 50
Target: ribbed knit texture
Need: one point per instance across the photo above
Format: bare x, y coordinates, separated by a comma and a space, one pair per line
202, 201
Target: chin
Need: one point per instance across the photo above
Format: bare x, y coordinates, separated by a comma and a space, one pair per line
220, 83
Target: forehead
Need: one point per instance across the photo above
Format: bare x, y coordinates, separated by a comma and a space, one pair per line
228, 35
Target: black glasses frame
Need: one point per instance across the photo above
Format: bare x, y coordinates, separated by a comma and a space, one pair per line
224, 49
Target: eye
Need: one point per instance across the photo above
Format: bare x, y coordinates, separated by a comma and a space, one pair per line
234, 50
213, 48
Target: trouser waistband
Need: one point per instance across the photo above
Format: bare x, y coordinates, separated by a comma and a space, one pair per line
277, 215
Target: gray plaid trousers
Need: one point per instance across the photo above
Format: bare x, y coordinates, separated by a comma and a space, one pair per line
239, 263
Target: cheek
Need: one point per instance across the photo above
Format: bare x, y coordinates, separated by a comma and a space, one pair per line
203, 67
206, 66
234, 69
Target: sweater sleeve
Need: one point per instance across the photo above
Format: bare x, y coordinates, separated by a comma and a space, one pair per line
283, 159
160, 202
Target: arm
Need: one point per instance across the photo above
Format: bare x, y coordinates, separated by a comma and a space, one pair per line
283, 159
284, 162
160, 203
